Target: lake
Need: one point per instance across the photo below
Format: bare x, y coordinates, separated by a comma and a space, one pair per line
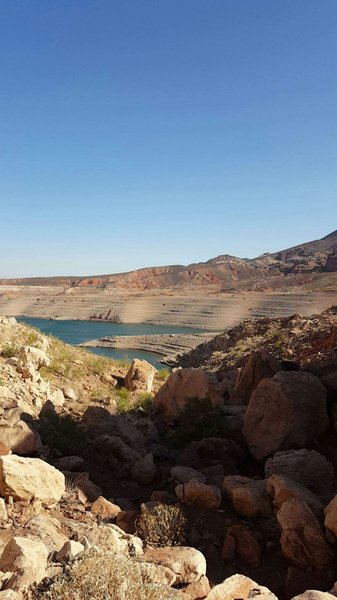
76, 332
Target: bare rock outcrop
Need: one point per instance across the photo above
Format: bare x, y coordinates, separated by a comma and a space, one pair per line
285, 412
30, 478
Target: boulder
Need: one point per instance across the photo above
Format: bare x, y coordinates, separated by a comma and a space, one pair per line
196, 493
302, 539
16, 434
248, 496
104, 509
314, 595
188, 564
26, 559
197, 590
330, 513
140, 376
29, 354
148, 429
185, 474
307, 467
240, 587
3, 511
259, 365
282, 489
69, 551
144, 470
241, 541
184, 385
46, 529
285, 412
211, 451
10, 595
68, 463
29, 479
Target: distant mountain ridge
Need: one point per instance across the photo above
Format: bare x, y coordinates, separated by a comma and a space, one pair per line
296, 266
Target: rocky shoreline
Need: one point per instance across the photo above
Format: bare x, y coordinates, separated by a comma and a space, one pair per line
169, 345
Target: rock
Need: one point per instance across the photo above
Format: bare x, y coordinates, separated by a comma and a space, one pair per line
29, 354
302, 539
46, 529
69, 551
69, 393
4, 449
106, 537
16, 434
140, 376
144, 471
259, 365
10, 595
68, 463
156, 574
126, 520
89, 490
307, 467
185, 474
211, 451
282, 489
198, 589
188, 564
241, 540
118, 454
248, 496
240, 587
285, 412
30, 478
57, 398
104, 509
148, 429
195, 493
330, 513
184, 385
3, 511
27, 559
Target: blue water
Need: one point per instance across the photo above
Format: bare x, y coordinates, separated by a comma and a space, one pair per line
76, 332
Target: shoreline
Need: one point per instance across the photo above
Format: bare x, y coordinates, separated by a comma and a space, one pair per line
169, 345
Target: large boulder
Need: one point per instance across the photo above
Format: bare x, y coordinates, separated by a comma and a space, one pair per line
241, 541
282, 489
184, 385
140, 376
26, 559
307, 467
285, 412
259, 365
239, 586
29, 479
212, 451
330, 513
302, 538
144, 471
188, 564
195, 493
16, 434
248, 496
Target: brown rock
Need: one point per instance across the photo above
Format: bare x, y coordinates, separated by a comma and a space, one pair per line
197, 590
330, 513
195, 493
282, 489
104, 509
140, 376
126, 520
4, 450
16, 434
144, 470
302, 539
239, 587
259, 365
27, 559
246, 546
30, 478
188, 564
285, 412
249, 496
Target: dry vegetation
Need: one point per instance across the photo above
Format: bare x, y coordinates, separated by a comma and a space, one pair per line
164, 525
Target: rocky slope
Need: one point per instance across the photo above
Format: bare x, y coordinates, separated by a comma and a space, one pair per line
312, 264
215, 484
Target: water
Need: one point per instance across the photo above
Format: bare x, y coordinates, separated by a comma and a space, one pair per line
76, 332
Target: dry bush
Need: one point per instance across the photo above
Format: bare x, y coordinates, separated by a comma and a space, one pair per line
100, 576
164, 525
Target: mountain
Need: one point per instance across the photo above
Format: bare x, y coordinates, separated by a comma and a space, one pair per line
297, 266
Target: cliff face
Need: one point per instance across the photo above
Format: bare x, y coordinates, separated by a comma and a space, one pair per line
296, 266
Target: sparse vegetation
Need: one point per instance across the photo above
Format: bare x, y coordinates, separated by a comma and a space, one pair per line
123, 399
164, 374
164, 525
101, 576
197, 421
9, 350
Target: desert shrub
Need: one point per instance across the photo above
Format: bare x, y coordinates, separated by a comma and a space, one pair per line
123, 399
164, 525
61, 432
197, 421
144, 402
101, 576
164, 374
10, 350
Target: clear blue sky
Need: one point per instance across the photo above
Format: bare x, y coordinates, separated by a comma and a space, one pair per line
148, 132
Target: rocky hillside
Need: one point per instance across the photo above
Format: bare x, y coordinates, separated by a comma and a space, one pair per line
312, 264
211, 485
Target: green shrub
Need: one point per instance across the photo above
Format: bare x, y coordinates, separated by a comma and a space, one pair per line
9, 350
164, 374
61, 432
122, 399
164, 525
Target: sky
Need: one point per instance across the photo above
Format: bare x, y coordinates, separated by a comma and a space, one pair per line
139, 133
